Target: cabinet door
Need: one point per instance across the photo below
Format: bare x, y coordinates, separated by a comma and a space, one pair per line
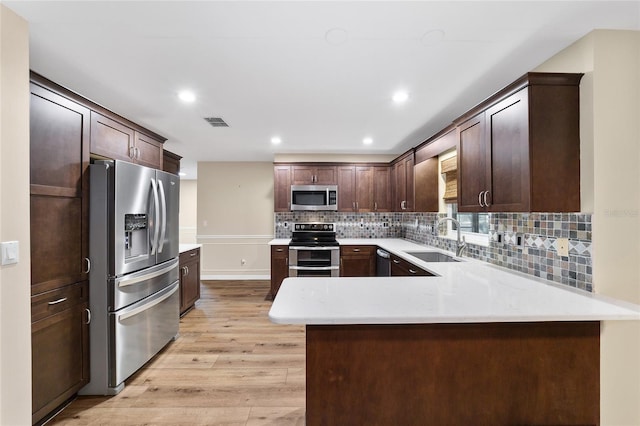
279, 267
357, 261
381, 189
303, 175
347, 189
60, 358
111, 139
170, 162
326, 175
189, 280
148, 151
401, 187
426, 186
473, 164
281, 188
506, 125
400, 267
409, 184
59, 147
364, 188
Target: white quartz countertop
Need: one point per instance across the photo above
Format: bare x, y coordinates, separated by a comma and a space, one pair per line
462, 292
186, 247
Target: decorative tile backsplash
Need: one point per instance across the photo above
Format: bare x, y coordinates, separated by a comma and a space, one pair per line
537, 233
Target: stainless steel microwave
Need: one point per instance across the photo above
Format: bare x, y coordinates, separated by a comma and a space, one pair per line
314, 197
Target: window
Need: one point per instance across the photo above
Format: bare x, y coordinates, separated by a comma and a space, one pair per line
470, 222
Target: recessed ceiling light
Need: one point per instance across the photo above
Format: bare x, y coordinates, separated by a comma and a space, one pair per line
276, 140
400, 97
367, 141
187, 96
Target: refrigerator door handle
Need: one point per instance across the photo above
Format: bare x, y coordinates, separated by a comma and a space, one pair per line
159, 298
156, 229
123, 282
163, 205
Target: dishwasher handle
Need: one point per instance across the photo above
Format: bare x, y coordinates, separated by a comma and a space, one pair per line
383, 254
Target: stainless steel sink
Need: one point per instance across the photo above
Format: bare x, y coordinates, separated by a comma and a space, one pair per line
432, 256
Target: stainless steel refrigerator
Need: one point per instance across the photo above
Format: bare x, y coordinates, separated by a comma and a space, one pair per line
134, 282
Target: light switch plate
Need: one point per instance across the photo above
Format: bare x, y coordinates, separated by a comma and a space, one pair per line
562, 247
10, 250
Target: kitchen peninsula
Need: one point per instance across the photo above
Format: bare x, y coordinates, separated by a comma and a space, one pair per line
475, 344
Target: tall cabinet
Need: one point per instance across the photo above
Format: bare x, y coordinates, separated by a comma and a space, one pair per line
59, 246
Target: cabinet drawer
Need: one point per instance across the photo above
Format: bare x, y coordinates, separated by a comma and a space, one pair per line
58, 300
190, 256
400, 267
357, 250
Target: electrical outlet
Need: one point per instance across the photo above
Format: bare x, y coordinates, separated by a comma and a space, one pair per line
562, 247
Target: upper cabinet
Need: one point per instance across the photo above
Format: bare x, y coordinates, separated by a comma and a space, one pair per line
363, 188
313, 175
519, 151
402, 183
281, 188
112, 139
426, 171
170, 162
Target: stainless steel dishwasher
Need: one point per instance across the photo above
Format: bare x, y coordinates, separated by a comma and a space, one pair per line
383, 263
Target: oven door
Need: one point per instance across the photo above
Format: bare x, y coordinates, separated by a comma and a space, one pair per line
321, 261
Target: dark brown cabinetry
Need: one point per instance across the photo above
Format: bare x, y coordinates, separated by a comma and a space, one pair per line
311, 174
112, 139
357, 261
401, 267
189, 279
279, 267
426, 176
519, 151
171, 162
402, 183
363, 188
281, 188
59, 149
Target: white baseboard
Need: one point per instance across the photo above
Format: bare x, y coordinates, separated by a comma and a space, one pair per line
235, 277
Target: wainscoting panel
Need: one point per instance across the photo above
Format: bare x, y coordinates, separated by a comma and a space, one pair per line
241, 257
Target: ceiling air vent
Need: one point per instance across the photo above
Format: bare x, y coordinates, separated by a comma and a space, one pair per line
216, 121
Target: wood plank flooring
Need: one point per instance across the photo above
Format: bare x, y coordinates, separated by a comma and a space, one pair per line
230, 366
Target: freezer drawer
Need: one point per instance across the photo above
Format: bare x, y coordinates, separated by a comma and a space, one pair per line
138, 285
139, 331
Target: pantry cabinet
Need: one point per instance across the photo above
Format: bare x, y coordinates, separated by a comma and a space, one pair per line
281, 188
519, 151
358, 261
59, 227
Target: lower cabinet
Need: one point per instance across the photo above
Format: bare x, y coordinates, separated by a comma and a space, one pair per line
189, 279
59, 346
357, 261
400, 268
279, 267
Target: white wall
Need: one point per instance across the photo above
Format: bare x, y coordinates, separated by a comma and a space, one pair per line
188, 211
15, 308
235, 219
610, 168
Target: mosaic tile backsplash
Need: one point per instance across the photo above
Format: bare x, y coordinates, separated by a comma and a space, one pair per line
537, 233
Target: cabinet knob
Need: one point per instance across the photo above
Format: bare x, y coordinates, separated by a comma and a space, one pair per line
192, 254
356, 250
486, 203
396, 261
375, 206
412, 271
88, 265
480, 198
88, 316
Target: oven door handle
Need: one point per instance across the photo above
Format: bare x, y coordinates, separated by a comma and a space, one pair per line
314, 268
314, 248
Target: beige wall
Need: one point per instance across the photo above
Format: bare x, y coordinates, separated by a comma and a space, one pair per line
15, 308
610, 158
235, 218
188, 211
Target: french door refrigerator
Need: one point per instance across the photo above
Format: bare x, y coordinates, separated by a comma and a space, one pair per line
134, 282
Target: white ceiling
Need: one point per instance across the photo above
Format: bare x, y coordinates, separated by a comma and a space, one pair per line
318, 74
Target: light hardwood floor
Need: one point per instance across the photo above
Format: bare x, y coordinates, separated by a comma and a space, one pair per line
230, 366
